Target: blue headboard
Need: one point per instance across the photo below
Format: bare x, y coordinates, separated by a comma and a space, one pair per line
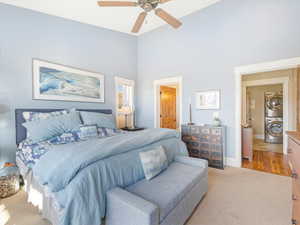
21, 130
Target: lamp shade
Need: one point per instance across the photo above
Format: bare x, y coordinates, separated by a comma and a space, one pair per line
125, 110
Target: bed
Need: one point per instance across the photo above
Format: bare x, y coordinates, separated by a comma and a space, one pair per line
69, 183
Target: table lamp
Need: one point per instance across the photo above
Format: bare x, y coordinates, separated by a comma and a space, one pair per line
126, 110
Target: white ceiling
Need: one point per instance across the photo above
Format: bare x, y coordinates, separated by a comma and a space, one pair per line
114, 18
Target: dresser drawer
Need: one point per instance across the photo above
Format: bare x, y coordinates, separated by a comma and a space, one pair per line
216, 148
294, 156
204, 155
193, 144
294, 151
194, 153
216, 131
216, 139
204, 147
204, 138
195, 130
296, 189
296, 213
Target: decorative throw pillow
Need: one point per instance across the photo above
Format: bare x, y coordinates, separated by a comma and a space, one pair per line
154, 162
41, 130
100, 119
32, 116
88, 131
108, 132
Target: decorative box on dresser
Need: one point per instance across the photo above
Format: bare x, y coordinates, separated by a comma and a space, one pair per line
206, 142
294, 161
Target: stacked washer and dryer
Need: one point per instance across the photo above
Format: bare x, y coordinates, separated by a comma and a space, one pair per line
274, 117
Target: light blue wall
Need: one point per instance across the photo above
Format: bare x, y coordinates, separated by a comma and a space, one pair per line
208, 47
204, 51
25, 34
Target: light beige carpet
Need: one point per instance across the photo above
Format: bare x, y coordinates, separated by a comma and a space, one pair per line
235, 197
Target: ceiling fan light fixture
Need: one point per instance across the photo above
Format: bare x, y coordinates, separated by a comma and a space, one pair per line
147, 6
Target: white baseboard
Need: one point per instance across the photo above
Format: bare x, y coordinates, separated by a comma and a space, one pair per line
232, 162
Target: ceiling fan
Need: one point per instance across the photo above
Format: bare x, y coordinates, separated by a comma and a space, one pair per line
147, 6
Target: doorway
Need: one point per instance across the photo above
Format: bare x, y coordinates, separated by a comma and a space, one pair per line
268, 110
168, 103
240, 71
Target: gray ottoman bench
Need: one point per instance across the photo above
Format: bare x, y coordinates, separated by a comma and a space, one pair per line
168, 199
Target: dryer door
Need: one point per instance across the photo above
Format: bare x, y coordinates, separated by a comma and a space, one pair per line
274, 103
274, 106
274, 132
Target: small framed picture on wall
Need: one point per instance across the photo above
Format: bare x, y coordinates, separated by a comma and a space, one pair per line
208, 99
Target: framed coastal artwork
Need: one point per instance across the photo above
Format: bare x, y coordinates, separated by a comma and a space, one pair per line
208, 99
63, 83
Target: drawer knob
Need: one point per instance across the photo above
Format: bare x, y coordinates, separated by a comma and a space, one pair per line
294, 175
294, 198
294, 222
290, 151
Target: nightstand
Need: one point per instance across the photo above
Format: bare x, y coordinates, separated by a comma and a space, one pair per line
133, 129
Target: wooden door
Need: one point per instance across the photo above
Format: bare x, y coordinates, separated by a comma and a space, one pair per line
168, 107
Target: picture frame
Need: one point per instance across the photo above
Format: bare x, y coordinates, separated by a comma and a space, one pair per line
57, 82
208, 100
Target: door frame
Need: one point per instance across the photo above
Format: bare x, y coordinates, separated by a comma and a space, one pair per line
285, 84
291, 63
156, 87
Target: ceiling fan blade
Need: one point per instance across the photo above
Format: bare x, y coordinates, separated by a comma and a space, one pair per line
168, 18
164, 1
116, 4
139, 22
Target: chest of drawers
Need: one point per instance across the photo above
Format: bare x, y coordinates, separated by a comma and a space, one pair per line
294, 161
206, 142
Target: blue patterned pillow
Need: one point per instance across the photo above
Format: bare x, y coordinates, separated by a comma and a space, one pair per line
41, 130
154, 162
32, 116
65, 138
30, 152
108, 132
88, 131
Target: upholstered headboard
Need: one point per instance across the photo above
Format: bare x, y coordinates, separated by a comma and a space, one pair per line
21, 130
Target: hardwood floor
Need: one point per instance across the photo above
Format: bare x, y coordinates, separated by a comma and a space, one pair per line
270, 162
260, 145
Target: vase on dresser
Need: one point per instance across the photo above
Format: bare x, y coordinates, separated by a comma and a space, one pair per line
206, 142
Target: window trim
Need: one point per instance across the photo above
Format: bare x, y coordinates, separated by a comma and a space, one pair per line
128, 82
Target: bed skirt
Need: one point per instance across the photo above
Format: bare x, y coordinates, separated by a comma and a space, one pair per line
39, 197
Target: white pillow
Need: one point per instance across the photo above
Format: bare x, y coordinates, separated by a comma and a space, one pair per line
154, 162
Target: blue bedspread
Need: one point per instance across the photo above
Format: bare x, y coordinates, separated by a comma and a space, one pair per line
80, 174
